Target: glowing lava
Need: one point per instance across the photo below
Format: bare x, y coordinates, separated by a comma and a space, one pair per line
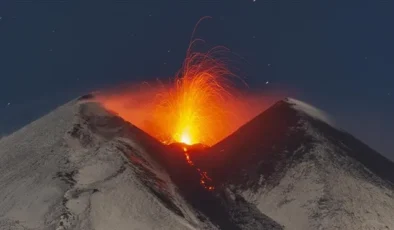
185, 138
205, 180
193, 110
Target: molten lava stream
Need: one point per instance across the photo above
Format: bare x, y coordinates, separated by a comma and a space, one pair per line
205, 180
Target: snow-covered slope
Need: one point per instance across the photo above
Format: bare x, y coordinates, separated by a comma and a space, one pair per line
304, 173
80, 167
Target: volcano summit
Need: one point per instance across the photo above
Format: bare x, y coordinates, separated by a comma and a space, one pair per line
83, 167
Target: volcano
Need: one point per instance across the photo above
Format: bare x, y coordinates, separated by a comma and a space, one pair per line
84, 167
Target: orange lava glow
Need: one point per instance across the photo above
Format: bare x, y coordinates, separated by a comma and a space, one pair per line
138, 104
199, 105
193, 107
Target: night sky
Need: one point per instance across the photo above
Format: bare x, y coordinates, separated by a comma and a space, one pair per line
336, 55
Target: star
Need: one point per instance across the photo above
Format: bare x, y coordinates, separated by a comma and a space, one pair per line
254, 0
254, 37
1, 18
269, 65
9, 103
50, 50
169, 50
267, 82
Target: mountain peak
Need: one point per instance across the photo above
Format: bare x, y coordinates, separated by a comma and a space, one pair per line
310, 110
302, 171
284, 132
83, 167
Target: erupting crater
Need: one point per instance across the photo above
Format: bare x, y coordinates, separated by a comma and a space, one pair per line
193, 107
197, 106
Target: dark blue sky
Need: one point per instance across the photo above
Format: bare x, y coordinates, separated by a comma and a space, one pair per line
337, 55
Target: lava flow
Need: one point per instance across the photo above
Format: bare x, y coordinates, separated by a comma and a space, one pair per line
205, 180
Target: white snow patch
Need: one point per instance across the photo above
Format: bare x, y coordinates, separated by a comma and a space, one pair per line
79, 204
312, 111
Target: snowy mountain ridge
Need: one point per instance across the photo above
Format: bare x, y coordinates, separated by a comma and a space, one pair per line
305, 173
82, 167
310, 110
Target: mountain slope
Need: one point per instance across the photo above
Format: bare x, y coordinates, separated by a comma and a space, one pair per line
68, 170
82, 167
303, 172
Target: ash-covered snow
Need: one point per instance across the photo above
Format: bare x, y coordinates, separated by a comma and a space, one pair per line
82, 167
323, 191
71, 170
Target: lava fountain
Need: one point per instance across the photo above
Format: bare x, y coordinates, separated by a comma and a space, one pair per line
193, 110
193, 107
